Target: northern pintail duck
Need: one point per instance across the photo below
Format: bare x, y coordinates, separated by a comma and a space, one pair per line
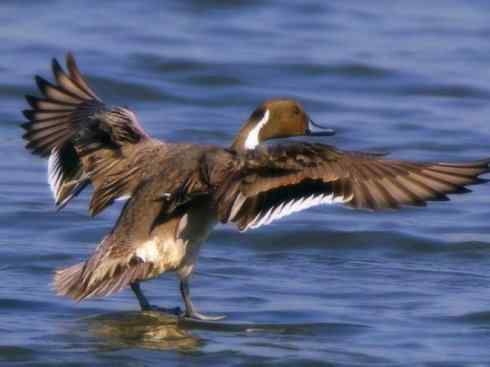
178, 192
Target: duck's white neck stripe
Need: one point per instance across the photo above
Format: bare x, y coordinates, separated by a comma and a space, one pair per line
253, 136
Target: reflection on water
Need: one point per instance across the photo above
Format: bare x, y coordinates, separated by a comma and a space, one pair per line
149, 330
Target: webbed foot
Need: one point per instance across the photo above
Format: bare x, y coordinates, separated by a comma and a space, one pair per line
190, 311
200, 317
146, 306
177, 311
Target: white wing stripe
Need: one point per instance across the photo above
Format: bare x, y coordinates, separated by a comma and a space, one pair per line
265, 217
276, 213
54, 173
237, 205
293, 206
123, 197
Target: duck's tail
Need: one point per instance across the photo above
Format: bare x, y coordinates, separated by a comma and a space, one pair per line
84, 280
67, 281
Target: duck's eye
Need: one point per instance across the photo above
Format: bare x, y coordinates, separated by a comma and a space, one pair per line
258, 113
296, 110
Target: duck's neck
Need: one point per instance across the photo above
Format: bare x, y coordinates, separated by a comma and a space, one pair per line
239, 142
249, 136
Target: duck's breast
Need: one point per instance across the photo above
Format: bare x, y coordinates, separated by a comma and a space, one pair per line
175, 243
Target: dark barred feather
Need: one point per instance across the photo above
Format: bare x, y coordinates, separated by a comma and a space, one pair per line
275, 181
72, 126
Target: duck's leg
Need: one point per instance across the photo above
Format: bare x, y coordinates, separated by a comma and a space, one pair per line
143, 301
190, 311
146, 306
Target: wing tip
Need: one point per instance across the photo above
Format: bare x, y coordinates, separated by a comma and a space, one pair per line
32, 100
70, 59
28, 114
41, 83
56, 67
26, 126
76, 76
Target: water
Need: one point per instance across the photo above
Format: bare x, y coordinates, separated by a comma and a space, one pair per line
327, 287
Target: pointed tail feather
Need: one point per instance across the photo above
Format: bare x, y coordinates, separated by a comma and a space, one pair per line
67, 280
82, 281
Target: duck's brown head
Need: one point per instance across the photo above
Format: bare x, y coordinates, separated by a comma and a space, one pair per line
277, 118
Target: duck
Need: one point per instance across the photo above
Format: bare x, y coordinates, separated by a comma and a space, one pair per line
176, 193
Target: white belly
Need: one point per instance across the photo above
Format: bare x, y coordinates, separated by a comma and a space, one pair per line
174, 245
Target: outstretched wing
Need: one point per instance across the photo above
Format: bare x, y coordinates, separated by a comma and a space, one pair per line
86, 141
276, 181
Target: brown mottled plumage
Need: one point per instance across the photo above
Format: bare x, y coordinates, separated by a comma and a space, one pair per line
177, 192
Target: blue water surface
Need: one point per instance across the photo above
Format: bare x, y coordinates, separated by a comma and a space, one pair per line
325, 287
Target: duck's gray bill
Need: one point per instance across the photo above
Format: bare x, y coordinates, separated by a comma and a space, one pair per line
318, 130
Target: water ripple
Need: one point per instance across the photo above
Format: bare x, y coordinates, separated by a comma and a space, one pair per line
449, 91
326, 287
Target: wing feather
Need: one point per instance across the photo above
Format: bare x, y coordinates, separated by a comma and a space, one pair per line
274, 181
86, 141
